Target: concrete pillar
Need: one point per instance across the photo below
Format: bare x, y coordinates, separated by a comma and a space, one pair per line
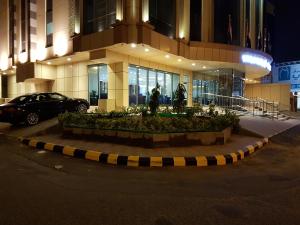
119, 10
145, 10
132, 8
253, 23
207, 28
183, 12
118, 84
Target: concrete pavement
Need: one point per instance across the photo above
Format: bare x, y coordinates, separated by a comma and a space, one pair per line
44, 188
266, 127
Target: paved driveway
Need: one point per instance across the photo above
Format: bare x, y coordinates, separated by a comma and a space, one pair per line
264, 189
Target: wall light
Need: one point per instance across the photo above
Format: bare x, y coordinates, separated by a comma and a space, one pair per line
60, 44
23, 57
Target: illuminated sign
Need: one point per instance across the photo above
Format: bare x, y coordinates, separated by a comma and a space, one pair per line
256, 60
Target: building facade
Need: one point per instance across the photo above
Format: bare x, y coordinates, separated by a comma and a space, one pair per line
113, 52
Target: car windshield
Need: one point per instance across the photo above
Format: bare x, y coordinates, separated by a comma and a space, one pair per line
20, 99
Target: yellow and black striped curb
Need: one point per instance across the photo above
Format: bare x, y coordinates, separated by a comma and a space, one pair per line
141, 161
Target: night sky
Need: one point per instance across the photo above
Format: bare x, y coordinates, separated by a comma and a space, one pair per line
286, 40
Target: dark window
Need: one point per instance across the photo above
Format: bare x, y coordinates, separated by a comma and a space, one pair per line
4, 86
195, 17
224, 10
99, 15
163, 16
57, 97
11, 27
49, 23
23, 25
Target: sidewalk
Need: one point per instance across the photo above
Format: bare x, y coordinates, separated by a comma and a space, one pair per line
266, 127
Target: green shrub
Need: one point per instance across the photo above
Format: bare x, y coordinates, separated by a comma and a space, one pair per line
179, 101
155, 124
154, 99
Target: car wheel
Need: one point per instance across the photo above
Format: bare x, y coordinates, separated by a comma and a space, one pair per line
82, 108
32, 119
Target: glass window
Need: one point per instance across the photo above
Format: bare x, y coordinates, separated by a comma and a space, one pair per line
98, 83
162, 15
176, 81
169, 90
56, 97
23, 25
195, 18
143, 80
152, 81
133, 85
49, 23
186, 83
11, 27
225, 11
99, 15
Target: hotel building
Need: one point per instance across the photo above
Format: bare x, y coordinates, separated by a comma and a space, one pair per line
113, 52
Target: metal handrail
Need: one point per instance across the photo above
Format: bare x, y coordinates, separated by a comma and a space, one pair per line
256, 106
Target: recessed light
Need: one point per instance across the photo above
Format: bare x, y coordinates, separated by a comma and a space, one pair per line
49, 63
147, 50
193, 64
179, 60
69, 59
167, 56
133, 45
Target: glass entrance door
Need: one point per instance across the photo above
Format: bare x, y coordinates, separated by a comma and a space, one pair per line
98, 83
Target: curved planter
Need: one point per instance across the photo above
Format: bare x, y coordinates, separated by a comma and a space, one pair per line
153, 139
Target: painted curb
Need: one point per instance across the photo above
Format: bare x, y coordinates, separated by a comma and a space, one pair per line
140, 161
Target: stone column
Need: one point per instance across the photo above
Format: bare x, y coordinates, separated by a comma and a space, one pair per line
183, 17
207, 21
118, 84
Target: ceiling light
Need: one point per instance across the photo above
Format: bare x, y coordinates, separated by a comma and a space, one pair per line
146, 49
179, 60
203, 67
69, 59
167, 56
49, 63
193, 64
133, 45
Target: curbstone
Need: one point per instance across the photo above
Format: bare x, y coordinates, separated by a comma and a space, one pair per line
154, 161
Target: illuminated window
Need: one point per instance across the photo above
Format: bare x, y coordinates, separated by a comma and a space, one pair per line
49, 23
142, 80
98, 83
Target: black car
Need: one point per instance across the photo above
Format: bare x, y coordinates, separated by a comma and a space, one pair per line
32, 108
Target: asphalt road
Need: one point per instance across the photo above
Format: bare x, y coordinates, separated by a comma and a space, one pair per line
262, 190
